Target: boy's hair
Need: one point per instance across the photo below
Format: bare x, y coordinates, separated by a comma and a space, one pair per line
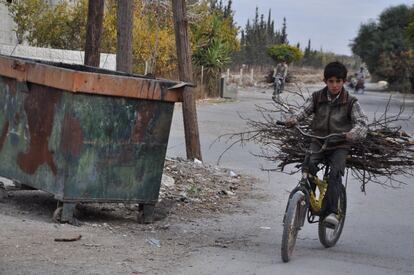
336, 69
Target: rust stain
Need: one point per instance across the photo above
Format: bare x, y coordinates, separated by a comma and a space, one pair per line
82, 81
19, 66
157, 87
39, 106
4, 134
71, 139
139, 89
144, 115
147, 89
157, 93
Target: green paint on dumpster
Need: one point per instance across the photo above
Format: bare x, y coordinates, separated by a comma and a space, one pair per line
83, 147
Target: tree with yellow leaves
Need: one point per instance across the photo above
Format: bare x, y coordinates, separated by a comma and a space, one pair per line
62, 26
212, 32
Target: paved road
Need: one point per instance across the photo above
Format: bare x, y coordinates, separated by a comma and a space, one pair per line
378, 234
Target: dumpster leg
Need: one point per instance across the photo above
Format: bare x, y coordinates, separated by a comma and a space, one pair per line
3, 194
67, 214
145, 213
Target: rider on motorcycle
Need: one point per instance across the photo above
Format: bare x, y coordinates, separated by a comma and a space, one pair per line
280, 72
360, 80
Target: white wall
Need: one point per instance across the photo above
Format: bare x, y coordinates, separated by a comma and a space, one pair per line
8, 45
7, 36
108, 61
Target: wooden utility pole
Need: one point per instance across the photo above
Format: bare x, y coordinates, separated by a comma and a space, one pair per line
192, 139
124, 35
94, 32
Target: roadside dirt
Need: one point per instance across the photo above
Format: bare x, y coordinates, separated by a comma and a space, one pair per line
300, 76
192, 196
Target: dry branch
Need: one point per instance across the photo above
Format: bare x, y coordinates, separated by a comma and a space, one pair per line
387, 151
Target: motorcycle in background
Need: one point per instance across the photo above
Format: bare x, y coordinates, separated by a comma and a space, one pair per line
359, 86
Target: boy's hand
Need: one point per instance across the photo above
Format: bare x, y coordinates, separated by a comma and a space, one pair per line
350, 136
290, 122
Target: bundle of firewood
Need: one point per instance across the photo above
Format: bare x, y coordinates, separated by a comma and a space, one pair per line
385, 156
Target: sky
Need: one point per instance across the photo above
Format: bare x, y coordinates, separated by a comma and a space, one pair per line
329, 24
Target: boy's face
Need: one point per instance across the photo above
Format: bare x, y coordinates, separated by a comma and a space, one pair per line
334, 84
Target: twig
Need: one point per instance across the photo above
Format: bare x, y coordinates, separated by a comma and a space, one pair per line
74, 239
386, 153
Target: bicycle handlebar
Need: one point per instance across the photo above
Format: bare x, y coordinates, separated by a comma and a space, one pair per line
326, 138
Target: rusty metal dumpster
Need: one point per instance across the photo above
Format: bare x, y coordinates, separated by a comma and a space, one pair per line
84, 134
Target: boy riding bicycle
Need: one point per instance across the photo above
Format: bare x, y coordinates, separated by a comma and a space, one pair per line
334, 110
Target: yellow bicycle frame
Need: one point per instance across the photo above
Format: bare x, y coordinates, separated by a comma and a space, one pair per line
316, 201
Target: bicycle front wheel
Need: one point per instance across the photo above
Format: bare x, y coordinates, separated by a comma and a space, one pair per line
330, 236
276, 87
292, 223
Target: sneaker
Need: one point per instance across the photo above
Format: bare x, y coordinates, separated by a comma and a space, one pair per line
332, 220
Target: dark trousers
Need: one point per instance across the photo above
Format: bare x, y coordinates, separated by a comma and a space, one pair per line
336, 159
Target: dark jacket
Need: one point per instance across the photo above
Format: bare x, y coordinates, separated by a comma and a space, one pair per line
332, 117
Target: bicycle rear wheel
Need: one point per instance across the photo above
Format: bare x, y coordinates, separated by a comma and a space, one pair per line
292, 223
330, 236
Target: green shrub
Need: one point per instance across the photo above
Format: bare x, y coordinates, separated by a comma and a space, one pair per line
284, 52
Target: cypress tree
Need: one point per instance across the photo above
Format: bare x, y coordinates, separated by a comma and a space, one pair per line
256, 37
284, 33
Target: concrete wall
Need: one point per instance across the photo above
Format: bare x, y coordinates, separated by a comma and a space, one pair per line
7, 25
7, 35
8, 45
108, 61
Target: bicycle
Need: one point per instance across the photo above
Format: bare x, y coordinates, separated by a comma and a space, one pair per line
305, 200
277, 86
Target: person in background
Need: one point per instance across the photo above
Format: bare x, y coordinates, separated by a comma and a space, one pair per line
281, 71
360, 80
